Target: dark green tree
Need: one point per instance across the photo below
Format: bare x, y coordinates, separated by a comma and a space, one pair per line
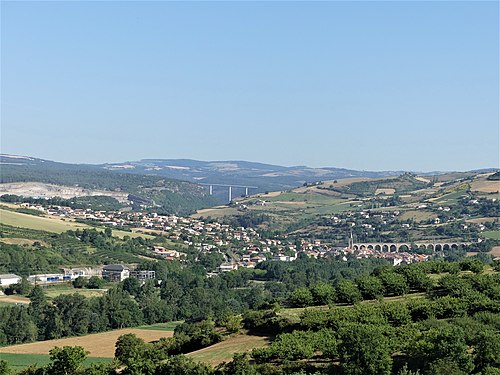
364, 350
348, 292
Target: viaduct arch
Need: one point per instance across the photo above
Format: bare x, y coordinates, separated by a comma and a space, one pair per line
395, 247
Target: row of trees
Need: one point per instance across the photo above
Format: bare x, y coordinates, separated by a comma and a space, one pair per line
454, 332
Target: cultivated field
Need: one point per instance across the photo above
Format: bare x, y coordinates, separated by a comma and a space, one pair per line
493, 234
495, 252
53, 224
224, 351
12, 300
20, 361
52, 292
486, 186
100, 345
22, 241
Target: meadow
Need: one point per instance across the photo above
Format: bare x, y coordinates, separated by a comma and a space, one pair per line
53, 224
224, 351
20, 361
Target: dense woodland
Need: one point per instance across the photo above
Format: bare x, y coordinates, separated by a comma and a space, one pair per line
450, 327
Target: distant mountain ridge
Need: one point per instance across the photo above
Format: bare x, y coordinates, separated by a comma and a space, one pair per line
265, 177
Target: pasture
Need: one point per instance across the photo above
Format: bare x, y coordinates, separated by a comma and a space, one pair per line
224, 351
485, 186
22, 241
54, 224
170, 326
57, 290
492, 234
20, 361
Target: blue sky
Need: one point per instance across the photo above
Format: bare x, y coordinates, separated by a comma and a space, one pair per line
364, 85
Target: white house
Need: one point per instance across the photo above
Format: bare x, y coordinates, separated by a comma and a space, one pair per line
9, 279
226, 267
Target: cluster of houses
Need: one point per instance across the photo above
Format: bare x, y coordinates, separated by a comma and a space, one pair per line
246, 245
111, 272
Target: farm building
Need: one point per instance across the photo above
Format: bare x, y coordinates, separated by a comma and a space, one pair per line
115, 272
9, 279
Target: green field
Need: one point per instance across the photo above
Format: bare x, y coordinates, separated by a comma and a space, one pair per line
19, 361
54, 291
493, 234
170, 326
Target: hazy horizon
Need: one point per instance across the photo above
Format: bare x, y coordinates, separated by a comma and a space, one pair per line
248, 161
357, 85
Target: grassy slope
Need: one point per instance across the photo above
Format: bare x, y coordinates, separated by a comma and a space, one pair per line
53, 224
224, 351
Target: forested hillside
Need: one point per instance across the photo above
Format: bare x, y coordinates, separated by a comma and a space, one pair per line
168, 195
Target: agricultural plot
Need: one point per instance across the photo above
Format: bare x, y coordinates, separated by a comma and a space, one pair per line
485, 186
495, 252
20, 361
101, 345
53, 292
54, 225
417, 215
22, 241
170, 326
13, 300
492, 234
224, 351
17, 219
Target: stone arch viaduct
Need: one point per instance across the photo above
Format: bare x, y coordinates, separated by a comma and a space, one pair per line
395, 247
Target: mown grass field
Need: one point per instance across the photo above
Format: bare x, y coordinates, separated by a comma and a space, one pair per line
101, 345
20, 361
170, 326
52, 292
493, 234
224, 351
53, 224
